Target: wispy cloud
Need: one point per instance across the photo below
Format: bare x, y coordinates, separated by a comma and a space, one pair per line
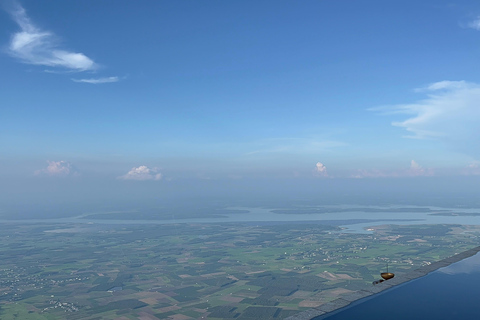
142, 173
472, 169
415, 170
450, 113
98, 80
58, 169
474, 165
475, 24
31, 45
374, 173
443, 85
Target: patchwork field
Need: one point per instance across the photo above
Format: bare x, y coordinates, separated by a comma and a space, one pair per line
195, 271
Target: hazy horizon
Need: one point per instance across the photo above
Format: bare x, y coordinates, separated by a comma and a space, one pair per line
241, 102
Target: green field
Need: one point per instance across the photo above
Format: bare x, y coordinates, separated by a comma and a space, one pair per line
216, 271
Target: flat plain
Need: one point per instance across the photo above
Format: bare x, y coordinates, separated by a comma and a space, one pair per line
198, 271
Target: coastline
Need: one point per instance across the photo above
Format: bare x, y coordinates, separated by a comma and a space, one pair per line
325, 309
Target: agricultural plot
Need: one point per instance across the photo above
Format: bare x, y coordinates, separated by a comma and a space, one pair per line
195, 271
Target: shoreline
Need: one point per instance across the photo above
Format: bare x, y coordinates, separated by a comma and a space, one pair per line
326, 309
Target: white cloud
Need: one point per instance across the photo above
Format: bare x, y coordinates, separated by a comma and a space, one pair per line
142, 173
475, 24
34, 46
417, 170
58, 168
321, 170
98, 80
450, 113
414, 165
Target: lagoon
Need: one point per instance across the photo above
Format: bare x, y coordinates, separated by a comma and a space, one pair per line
351, 218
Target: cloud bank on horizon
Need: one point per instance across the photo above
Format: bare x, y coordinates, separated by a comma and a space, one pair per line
415, 170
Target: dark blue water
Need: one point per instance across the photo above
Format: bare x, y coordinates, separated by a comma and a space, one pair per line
449, 293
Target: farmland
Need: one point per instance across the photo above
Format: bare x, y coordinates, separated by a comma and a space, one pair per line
195, 271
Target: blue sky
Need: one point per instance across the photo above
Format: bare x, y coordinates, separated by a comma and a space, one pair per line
230, 90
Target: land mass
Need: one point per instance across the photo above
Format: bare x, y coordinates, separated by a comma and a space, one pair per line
190, 271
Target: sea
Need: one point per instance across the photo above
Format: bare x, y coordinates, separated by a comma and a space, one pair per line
452, 292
